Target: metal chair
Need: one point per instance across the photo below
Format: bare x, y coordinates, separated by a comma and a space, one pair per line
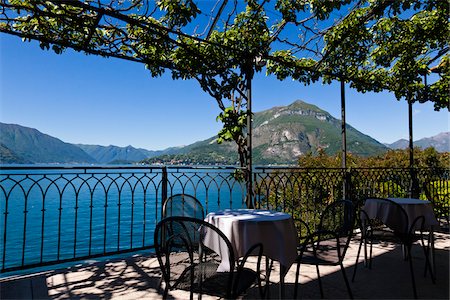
187, 264
441, 207
183, 205
373, 229
329, 243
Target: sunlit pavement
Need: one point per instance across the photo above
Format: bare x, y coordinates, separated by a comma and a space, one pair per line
138, 277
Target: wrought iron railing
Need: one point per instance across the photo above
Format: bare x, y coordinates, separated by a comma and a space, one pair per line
304, 192
58, 214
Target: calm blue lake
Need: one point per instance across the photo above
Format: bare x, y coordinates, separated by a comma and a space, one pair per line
52, 215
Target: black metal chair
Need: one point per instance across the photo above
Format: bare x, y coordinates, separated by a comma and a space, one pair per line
329, 243
441, 207
373, 229
183, 205
187, 264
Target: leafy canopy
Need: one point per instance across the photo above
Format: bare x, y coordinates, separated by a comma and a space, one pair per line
374, 45
379, 45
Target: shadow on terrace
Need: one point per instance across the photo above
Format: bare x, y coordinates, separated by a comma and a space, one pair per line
137, 277
108, 198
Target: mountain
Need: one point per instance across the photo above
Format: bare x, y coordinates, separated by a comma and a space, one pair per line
440, 142
280, 136
400, 144
290, 131
122, 155
111, 154
27, 145
23, 145
9, 157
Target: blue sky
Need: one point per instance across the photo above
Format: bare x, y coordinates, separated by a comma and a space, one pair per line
92, 100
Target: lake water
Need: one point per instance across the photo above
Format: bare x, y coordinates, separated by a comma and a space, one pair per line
53, 215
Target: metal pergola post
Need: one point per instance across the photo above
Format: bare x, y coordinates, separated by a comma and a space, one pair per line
410, 127
414, 189
249, 76
344, 139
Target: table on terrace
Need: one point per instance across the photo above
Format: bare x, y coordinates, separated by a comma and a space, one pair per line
414, 208
246, 227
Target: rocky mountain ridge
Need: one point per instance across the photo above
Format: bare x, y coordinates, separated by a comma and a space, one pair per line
280, 136
440, 142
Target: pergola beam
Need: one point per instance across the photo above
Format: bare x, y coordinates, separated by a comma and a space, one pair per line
119, 29
216, 19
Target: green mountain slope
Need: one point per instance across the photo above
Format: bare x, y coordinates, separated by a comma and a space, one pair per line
109, 154
281, 135
31, 146
9, 157
122, 155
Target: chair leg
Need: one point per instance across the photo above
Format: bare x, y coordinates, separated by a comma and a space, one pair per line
160, 283
350, 294
192, 275
265, 291
426, 251
404, 252
320, 282
166, 287
297, 273
409, 257
433, 258
366, 264
262, 291
166, 292
357, 258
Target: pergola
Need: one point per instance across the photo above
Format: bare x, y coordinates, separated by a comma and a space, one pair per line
221, 44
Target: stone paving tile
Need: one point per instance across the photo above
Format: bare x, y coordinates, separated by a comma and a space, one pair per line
137, 277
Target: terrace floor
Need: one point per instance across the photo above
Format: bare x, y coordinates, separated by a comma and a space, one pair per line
137, 277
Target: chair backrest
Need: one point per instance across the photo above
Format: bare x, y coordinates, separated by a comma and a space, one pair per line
441, 205
338, 218
399, 222
183, 205
179, 248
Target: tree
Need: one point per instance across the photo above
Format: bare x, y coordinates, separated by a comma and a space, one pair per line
428, 158
373, 44
380, 45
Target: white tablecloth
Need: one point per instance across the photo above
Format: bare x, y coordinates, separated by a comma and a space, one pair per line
246, 227
413, 208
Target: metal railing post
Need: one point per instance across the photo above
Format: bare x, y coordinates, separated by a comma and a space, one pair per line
164, 185
414, 191
348, 189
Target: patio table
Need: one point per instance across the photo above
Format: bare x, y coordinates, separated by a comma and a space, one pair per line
413, 208
246, 227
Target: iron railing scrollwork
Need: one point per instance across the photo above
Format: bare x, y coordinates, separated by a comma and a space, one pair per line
58, 214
